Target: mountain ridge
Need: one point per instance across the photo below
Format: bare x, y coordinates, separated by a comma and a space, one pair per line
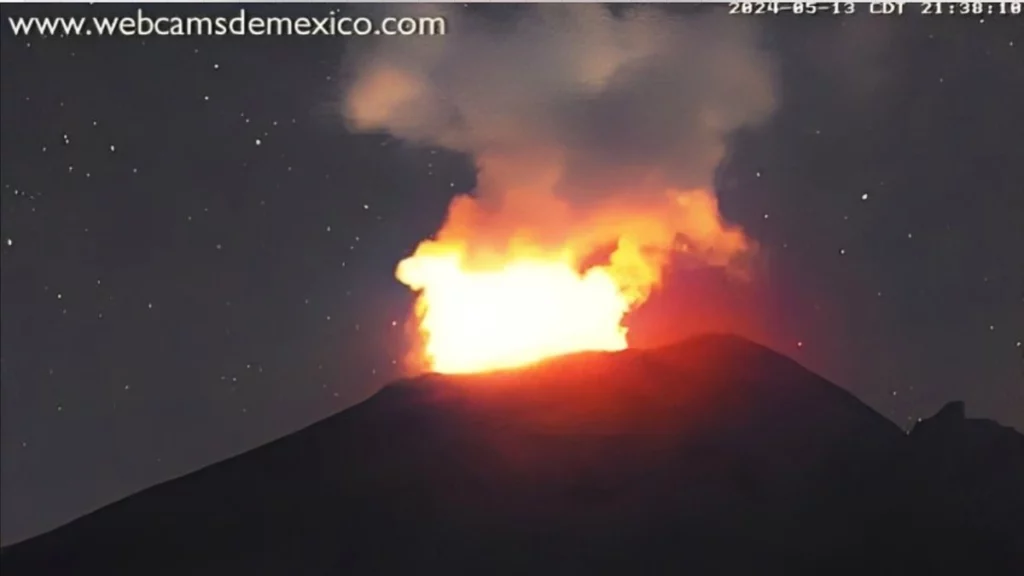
592, 461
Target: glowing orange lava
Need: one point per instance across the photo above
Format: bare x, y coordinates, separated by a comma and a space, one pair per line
485, 306
529, 310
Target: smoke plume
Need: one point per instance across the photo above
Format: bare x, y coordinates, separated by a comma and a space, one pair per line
570, 100
593, 132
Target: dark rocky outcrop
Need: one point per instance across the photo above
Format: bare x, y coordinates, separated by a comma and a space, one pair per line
967, 482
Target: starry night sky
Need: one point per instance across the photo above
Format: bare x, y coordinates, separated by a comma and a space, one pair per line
198, 258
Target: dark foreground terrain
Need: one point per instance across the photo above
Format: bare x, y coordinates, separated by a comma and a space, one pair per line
714, 456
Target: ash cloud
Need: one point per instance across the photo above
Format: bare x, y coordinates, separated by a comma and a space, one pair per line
639, 101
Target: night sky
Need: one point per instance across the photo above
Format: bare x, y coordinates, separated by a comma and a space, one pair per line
198, 257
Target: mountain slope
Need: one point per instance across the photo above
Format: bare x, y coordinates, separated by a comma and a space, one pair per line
712, 456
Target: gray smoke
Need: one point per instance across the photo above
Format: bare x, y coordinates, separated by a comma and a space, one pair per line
642, 100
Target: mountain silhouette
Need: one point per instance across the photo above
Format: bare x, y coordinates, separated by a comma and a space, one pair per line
712, 456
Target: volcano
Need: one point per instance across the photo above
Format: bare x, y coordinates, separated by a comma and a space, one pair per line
712, 456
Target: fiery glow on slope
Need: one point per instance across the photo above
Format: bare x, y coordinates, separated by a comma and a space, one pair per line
492, 296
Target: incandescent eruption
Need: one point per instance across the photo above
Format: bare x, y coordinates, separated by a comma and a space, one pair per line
596, 145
